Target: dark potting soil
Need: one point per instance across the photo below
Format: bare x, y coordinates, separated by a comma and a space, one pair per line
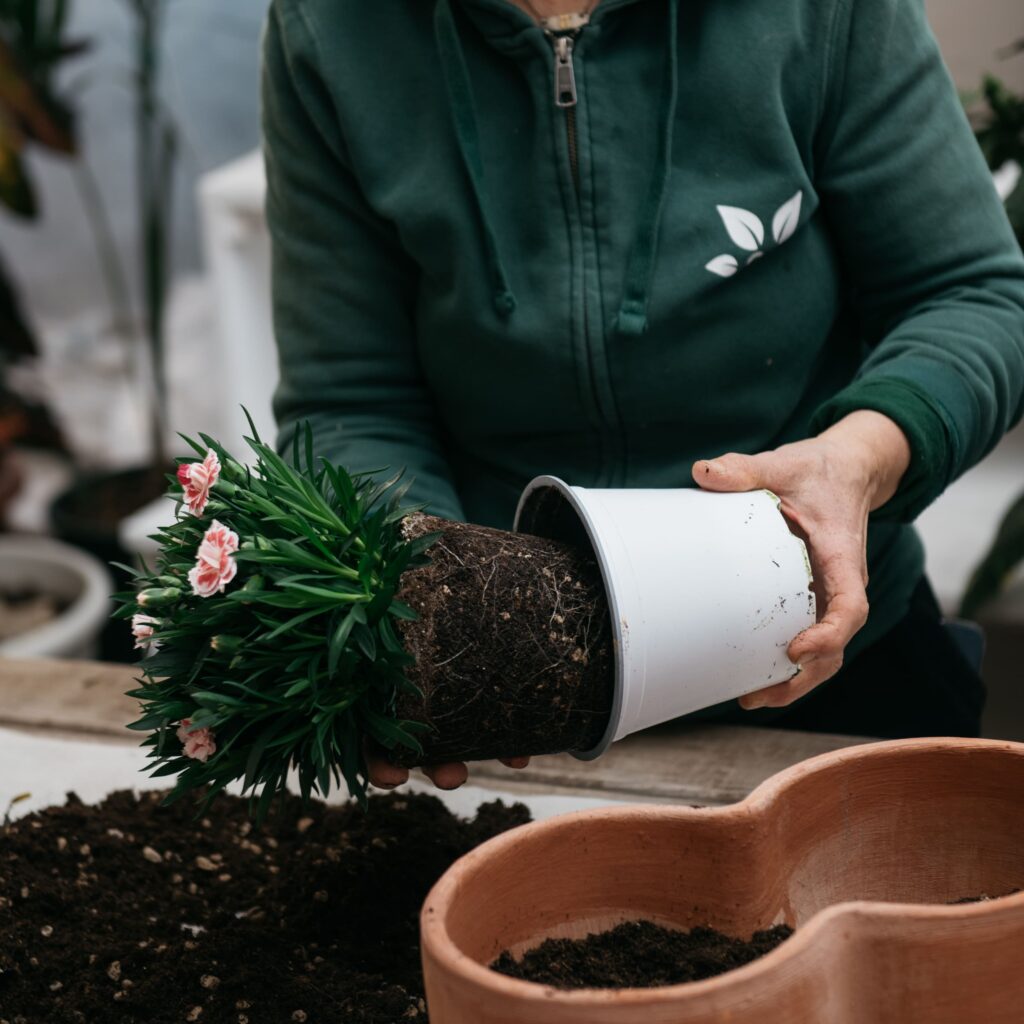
983, 898
129, 912
638, 954
513, 645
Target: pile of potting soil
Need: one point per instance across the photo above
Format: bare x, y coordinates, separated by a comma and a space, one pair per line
129, 912
638, 954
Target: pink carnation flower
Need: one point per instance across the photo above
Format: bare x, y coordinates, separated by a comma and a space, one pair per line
198, 743
142, 630
197, 478
214, 568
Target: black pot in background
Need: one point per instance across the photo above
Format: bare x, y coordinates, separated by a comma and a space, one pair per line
88, 515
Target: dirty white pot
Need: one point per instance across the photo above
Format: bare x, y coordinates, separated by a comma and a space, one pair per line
706, 591
74, 578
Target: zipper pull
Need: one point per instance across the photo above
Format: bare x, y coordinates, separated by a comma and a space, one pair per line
565, 75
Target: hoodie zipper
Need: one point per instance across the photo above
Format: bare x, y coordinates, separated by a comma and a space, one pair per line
562, 32
566, 96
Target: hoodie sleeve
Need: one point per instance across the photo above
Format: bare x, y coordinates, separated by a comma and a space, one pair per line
937, 276
343, 289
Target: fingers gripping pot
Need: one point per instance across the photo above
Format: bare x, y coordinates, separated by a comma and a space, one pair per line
705, 592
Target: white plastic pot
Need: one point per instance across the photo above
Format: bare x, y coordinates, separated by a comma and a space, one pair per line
706, 591
73, 577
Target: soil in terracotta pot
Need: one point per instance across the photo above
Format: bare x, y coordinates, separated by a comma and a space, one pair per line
513, 645
638, 954
983, 898
129, 912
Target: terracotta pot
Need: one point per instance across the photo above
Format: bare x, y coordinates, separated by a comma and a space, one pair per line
861, 850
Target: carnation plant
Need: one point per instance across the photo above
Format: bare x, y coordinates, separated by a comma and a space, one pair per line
268, 623
294, 617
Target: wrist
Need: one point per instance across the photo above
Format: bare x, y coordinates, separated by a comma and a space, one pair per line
878, 447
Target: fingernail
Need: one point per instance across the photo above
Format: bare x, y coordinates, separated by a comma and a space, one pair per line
751, 703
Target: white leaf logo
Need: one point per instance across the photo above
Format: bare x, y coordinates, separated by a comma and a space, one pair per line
744, 227
754, 256
786, 218
723, 266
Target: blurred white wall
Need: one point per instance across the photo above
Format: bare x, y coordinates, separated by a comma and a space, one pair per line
972, 32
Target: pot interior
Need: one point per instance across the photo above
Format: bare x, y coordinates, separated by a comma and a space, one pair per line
917, 822
26, 572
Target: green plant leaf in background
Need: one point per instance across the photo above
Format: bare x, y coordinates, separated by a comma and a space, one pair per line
999, 129
995, 569
32, 46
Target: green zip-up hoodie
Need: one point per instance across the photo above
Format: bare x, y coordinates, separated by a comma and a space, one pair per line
755, 218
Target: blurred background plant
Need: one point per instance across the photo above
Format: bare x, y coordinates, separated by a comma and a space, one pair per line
34, 110
33, 44
104, 314
998, 119
156, 148
89, 512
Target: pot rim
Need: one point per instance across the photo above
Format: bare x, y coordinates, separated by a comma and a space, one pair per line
436, 943
572, 499
638, 537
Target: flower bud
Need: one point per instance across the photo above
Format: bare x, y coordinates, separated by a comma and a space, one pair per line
225, 488
253, 585
223, 643
234, 472
159, 597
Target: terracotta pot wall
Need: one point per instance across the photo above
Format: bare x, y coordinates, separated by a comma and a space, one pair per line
898, 824
919, 821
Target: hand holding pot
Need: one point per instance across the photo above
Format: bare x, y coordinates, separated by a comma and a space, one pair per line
828, 485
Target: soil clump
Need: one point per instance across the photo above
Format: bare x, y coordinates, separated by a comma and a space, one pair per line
513, 647
638, 954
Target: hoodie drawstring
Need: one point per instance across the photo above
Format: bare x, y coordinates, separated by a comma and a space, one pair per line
460, 96
632, 318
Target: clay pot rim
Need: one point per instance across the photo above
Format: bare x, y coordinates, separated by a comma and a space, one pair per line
439, 946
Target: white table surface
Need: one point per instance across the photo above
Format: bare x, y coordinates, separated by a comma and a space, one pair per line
47, 768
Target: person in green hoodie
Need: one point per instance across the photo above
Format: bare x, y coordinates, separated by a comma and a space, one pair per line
613, 242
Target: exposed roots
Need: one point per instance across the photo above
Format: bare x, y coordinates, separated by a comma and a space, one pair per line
512, 647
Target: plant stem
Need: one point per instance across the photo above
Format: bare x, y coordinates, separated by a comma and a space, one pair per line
115, 280
155, 178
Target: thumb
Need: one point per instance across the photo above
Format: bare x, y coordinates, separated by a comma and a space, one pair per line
730, 472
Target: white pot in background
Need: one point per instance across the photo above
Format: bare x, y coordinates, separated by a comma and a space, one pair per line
706, 591
73, 577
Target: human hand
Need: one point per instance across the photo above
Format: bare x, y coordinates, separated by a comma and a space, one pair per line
385, 775
827, 485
